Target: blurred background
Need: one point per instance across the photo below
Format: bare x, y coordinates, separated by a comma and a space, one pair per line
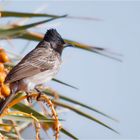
110, 86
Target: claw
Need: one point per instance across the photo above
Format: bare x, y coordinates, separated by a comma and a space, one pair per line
39, 94
38, 97
29, 98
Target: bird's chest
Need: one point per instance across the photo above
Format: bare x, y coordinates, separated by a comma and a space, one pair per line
42, 77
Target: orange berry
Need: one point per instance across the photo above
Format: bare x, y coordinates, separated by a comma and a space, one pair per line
3, 57
0, 92
1, 96
5, 90
1, 67
2, 77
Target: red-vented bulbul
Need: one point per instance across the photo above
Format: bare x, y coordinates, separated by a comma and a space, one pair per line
37, 67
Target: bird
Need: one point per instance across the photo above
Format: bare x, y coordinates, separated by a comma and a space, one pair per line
37, 67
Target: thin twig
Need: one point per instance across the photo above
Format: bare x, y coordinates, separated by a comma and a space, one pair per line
57, 125
15, 128
46, 99
37, 124
54, 93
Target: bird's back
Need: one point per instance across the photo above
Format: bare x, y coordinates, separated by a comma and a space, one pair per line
38, 60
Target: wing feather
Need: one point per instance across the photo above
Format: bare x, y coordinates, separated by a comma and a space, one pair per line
38, 60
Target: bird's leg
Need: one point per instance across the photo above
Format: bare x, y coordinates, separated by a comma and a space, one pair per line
29, 98
39, 95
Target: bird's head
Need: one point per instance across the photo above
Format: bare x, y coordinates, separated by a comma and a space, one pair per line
55, 40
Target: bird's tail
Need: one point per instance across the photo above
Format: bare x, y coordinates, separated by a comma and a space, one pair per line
5, 102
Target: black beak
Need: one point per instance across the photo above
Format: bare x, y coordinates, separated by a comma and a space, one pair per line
67, 45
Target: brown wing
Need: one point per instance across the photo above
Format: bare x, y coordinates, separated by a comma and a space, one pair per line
38, 60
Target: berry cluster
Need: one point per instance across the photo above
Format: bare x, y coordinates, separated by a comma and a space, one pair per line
4, 89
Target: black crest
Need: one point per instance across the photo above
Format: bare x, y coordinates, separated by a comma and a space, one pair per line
53, 36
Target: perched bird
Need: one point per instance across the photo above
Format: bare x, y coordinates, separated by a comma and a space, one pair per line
37, 67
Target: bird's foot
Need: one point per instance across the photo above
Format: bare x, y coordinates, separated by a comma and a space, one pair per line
29, 98
39, 94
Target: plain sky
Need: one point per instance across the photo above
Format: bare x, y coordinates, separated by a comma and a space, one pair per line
105, 84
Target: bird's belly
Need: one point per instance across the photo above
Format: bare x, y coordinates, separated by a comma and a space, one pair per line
40, 78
